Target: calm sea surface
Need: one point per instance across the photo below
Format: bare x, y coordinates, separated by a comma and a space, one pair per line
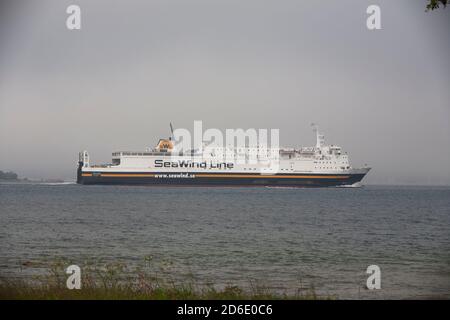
284, 239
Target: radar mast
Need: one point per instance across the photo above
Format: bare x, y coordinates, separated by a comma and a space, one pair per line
320, 138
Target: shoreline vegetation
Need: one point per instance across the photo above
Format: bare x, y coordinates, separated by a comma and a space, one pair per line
118, 282
10, 176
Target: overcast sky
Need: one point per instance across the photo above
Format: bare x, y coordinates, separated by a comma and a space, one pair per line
383, 95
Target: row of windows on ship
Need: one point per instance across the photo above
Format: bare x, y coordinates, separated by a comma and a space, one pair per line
254, 169
329, 162
343, 168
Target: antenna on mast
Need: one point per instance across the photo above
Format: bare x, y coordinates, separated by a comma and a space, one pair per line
171, 131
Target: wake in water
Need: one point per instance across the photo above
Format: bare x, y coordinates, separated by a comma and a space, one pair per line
37, 183
355, 185
282, 187
56, 183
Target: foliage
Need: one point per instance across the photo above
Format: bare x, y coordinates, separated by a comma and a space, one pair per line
434, 4
118, 282
8, 175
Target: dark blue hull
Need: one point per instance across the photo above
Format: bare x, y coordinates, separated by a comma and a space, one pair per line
219, 179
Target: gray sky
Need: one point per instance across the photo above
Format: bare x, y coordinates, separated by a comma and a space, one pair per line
136, 65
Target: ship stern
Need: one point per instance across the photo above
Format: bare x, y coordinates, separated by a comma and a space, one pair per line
79, 172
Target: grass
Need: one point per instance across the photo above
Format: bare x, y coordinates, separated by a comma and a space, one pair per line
117, 282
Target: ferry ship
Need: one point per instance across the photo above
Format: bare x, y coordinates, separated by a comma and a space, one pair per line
319, 166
